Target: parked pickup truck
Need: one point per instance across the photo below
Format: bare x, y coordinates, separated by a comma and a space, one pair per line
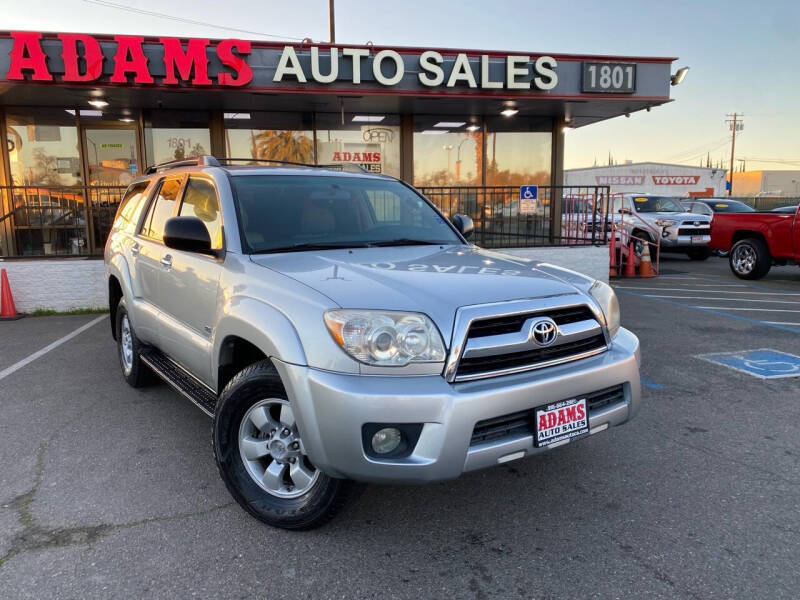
757, 240
338, 329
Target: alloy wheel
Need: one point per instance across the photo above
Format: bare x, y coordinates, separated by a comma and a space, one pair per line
272, 451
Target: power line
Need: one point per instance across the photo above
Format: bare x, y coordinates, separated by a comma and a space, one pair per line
159, 15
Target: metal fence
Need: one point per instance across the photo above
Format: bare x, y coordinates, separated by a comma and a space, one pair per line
57, 220
495, 211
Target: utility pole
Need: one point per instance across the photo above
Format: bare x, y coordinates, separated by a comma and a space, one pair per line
332, 21
736, 124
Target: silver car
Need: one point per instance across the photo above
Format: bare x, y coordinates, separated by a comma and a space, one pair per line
665, 220
339, 329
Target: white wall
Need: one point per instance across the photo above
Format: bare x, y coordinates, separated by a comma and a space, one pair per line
56, 284
643, 178
589, 260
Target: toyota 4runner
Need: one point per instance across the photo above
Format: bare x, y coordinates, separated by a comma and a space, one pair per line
339, 329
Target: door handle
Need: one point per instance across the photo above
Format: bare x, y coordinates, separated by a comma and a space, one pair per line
166, 261
135, 250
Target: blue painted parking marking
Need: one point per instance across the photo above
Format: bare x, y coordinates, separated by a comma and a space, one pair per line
763, 363
651, 384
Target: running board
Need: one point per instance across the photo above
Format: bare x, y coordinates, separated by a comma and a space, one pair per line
185, 383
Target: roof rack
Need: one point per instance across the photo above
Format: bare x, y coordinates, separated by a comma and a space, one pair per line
352, 167
226, 161
210, 161
200, 161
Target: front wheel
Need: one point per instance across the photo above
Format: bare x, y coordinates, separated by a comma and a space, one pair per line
261, 457
750, 259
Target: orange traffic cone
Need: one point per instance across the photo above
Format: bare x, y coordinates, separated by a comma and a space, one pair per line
630, 266
646, 265
8, 312
612, 250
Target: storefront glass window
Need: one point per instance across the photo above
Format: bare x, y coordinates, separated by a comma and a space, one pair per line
173, 135
447, 151
43, 147
369, 140
518, 151
274, 136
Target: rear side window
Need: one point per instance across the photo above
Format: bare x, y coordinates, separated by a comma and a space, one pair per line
161, 209
131, 207
200, 200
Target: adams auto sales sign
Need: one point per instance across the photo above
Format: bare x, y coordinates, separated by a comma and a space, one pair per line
168, 61
78, 59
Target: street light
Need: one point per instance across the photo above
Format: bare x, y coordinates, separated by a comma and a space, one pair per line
449, 148
458, 159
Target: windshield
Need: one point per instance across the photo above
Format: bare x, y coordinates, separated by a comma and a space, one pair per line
295, 212
730, 206
649, 204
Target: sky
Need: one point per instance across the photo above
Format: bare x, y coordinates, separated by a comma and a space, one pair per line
743, 56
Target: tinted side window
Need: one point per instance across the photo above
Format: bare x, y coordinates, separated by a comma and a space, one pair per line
161, 209
130, 207
200, 200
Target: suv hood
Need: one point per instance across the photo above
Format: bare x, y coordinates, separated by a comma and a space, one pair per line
434, 280
680, 217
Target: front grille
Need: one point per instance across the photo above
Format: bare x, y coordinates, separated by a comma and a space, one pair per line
694, 231
513, 323
522, 422
499, 362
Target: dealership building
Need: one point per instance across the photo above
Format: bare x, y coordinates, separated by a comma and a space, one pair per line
84, 114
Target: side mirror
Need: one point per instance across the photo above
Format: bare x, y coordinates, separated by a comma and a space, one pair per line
187, 233
464, 224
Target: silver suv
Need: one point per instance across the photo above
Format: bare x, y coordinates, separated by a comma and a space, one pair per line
339, 329
653, 217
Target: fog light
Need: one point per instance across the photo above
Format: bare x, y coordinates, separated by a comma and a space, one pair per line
386, 440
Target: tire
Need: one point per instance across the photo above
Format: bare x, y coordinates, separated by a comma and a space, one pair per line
267, 485
135, 372
638, 245
750, 259
699, 253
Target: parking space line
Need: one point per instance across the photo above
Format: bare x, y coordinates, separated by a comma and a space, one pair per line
663, 289
715, 311
39, 353
726, 299
759, 309
782, 323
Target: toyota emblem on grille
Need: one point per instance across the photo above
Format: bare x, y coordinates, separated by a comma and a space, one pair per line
544, 332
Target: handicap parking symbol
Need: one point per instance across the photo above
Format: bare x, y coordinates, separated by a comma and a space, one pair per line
528, 192
764, 363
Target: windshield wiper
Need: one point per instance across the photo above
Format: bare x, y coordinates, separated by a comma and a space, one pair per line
303, 246
407, 242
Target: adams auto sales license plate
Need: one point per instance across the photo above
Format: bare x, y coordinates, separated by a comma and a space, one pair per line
560, 421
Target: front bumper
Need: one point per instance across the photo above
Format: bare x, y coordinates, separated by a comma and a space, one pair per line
673, 240
331, 408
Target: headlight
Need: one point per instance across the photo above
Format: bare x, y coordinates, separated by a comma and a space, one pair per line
386, 339
664, 222
608, 302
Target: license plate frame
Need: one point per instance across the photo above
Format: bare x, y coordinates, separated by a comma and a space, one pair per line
568, 411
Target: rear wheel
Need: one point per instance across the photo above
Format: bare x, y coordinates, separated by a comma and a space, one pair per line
262, 459
750, 259
135, 372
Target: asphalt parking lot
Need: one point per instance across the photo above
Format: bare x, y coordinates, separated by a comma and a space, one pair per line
110, 492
